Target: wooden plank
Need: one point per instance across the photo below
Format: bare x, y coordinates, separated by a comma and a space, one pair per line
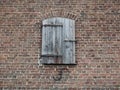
72, 25
44, 42
58, 38
50, 38
51, 55
57, 49
44, 39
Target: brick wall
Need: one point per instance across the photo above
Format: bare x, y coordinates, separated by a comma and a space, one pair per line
97, 49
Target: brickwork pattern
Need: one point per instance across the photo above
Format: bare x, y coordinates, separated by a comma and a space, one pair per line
97, 31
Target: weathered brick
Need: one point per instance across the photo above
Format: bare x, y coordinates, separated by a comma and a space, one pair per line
97, 48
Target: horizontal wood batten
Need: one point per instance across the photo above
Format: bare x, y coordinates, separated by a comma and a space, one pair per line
51, 55
59, 64
60, 25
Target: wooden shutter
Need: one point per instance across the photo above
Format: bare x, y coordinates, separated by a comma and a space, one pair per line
52, 41
58, 46
69, 41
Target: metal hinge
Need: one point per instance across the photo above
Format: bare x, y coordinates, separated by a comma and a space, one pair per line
70, 40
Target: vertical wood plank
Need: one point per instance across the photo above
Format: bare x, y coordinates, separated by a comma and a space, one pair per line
72, 26
44, 48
